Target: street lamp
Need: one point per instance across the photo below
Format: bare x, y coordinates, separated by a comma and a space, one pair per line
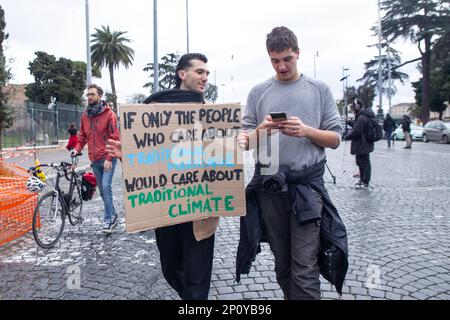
187, 25
389, 76
223, 95
344, 86
155, 47
88, 49
380, 89
315, 55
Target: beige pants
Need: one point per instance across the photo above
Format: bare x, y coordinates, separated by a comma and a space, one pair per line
408, 138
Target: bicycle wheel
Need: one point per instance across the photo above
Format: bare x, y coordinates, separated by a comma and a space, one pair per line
48, 221
76, 206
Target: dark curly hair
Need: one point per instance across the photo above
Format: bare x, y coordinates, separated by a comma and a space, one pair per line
185, 63
280, 39
96, 87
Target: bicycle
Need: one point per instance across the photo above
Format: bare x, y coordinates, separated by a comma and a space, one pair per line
52, 208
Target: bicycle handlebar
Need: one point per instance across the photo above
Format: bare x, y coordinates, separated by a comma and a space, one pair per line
76, 155
63, 165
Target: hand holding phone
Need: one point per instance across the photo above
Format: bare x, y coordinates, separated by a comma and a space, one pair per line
278, 116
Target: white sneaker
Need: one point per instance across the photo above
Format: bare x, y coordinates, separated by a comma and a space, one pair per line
107, 227
114, 222
364, 186
361, 186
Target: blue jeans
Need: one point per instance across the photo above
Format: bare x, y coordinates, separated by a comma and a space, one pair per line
389, 137
104, 182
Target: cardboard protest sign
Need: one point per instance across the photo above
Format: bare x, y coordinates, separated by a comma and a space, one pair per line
180, 163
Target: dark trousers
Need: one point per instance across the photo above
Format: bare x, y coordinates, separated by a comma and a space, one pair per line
186, 263
389, 137
365, 169
295, 247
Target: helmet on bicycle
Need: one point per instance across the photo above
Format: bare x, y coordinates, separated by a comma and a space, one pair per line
34, 184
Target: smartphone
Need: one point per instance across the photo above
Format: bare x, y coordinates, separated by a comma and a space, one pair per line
278, 116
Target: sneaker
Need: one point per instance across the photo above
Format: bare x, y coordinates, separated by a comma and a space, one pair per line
364, 186
107, 227
358, 185
114, 222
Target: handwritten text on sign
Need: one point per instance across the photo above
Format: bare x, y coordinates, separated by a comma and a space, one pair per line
180, 163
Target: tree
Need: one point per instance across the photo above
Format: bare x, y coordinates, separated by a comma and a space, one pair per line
166, 72
211, 93
390, 60
439, 78
109, 50
420, 21
6, 112
63, 79
365, 93
341, 107
166, 79
79, 65
136, 98
437, 101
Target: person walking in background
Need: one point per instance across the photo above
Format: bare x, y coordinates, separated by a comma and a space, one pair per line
360, 147
98, 124
73, 137
406, 127
388, 127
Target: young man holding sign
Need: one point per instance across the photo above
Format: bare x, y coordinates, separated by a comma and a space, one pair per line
302, 114
186, 249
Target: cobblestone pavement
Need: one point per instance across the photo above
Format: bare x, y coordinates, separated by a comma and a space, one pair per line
399, 241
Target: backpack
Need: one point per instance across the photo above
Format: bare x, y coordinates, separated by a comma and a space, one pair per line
88, 185
374, 132
406, 125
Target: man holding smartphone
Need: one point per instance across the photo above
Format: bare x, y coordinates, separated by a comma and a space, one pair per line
312, 124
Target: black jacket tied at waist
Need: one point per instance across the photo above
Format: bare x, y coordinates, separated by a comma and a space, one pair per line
303, 187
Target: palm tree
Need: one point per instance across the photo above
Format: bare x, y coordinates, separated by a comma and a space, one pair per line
109, 49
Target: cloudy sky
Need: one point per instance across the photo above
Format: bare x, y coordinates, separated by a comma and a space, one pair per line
231, 33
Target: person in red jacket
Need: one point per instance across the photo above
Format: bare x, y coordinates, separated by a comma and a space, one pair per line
73, 137
98, 124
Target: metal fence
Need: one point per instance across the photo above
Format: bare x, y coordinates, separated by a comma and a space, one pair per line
38, 124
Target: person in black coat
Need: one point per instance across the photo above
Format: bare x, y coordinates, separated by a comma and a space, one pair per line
360, 147
406, 127
388, 127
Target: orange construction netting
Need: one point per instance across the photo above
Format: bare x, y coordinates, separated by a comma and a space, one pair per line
16, 203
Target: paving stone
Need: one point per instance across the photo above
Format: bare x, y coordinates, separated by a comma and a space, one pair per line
358, 291
233, 296
255, 287
250, 295
393, 296
224, 290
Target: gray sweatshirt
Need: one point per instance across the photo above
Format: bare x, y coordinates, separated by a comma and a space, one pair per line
305, 98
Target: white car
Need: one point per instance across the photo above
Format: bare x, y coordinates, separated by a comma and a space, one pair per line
416, 133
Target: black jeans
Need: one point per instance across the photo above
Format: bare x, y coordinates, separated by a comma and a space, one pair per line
295, 247
185, 262
365, 169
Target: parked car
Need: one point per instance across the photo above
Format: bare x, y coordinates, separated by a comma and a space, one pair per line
416, 132
436, 130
